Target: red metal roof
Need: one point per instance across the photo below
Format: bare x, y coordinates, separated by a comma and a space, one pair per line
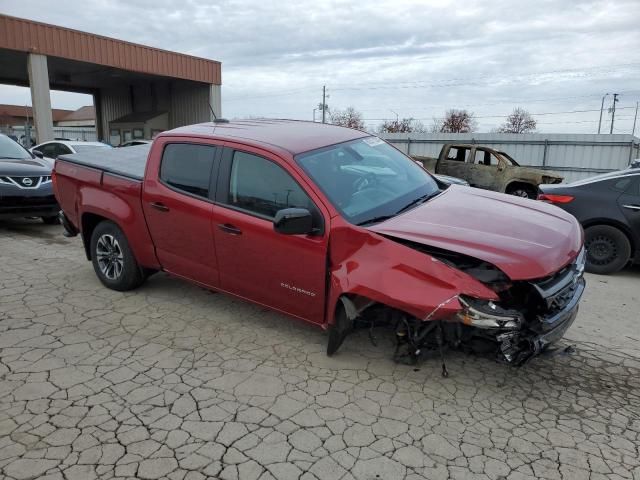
294, 136
36, 37
22, 111
87, 112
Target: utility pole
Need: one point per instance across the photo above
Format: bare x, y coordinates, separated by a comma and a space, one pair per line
613, 111
633, 130
601, 108
324, 104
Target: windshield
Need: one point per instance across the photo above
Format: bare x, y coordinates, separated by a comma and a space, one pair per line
80, 147
10, 149
367, 179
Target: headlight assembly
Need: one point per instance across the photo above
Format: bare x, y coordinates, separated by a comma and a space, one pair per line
488, 314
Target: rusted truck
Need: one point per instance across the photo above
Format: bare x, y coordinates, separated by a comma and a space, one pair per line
484, 167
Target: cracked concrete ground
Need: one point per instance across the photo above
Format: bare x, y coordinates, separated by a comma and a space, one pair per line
172, 381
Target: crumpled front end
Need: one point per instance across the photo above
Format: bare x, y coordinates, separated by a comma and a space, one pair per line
529, 316
434, 298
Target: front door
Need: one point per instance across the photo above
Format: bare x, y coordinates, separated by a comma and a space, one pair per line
285, 272
456, 162
178, 209
484, 172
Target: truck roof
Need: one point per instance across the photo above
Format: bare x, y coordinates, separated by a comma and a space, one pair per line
294, 136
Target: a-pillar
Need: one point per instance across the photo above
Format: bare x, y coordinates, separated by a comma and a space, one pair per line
215, 99
40, 97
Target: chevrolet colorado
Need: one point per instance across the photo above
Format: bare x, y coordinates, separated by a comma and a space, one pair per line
332, 226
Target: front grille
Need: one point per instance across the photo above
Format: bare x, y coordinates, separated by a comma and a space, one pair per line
25, 181
561, 299
556, 291
14, 201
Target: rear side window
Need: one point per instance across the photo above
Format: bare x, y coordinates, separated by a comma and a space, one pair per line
187, 167
622, 184
260, 186
459, 154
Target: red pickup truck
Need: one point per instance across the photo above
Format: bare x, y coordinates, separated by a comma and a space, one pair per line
332, 226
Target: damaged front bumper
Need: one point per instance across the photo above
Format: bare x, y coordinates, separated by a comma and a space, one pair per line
518, 347
553, 306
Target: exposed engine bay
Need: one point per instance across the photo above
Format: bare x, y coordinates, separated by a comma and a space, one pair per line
528, 317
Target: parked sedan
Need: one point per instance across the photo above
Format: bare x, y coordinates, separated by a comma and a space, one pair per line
608, 207
53, 149
25, 184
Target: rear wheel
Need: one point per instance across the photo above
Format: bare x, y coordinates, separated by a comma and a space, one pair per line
523, 190
113, 260
608, 249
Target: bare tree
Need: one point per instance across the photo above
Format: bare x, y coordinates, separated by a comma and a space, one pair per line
405, 125
520, 121
458, 121
350, 118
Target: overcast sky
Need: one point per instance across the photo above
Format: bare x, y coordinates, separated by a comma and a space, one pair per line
413, 58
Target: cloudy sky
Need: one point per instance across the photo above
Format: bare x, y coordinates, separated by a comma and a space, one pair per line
410, 58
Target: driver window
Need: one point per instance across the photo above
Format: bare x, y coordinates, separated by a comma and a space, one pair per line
260, 186
486, 158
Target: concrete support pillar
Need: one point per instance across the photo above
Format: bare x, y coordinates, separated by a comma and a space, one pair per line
215, 99
40, 97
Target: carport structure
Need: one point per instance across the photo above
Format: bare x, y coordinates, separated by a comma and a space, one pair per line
123, 77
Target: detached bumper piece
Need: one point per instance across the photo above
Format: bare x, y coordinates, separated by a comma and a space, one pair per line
69, 229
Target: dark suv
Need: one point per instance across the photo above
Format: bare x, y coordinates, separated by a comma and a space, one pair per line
25, 184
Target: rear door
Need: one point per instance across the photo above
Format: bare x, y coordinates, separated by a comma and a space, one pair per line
178, 206
285, 272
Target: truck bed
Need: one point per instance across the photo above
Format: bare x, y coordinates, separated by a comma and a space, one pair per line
128, 161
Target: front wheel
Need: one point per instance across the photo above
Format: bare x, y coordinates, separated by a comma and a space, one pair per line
524, 191
112, 259
608, 249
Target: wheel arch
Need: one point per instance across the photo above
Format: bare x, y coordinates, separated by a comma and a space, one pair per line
513, 184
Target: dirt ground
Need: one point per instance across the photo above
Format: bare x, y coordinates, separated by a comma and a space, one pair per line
172, 381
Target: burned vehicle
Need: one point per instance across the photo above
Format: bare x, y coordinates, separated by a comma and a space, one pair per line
331, 226
484, 167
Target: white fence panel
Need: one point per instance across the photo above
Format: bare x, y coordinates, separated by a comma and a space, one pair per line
575, 156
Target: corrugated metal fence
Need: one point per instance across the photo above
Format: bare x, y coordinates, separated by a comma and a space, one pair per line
576, 156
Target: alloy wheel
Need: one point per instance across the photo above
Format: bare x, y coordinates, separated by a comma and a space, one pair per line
109, 256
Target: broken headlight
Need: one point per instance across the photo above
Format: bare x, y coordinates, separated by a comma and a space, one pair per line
488, 314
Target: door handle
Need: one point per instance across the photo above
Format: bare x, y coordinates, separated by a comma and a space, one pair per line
159, 206
632, 207
228, 228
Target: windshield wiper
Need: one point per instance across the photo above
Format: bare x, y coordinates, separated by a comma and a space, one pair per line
417, 201
381, 218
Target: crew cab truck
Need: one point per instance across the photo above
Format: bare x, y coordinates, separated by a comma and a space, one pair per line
484, 167
332, 226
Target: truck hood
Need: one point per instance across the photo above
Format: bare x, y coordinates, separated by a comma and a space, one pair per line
526, 239
535, 174
24, 168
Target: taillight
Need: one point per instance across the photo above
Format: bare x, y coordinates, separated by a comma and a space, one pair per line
546, 197
53, 178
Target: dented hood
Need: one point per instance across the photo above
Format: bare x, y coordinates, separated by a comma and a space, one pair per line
525, 239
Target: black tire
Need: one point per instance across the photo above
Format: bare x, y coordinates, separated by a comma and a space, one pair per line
523, 191
608, 249
51, 220
113, 260
339, 330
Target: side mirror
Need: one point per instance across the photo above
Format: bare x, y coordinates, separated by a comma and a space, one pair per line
293, 221
500, 167
38, 153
